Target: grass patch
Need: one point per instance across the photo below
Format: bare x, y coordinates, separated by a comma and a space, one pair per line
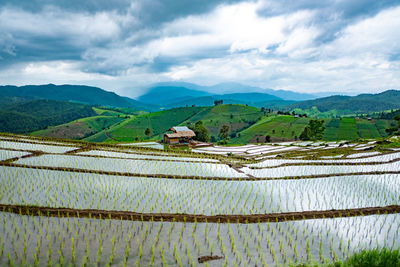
347, 129
81, 128
367, 129
370, 258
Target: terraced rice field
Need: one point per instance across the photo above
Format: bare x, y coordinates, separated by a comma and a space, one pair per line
64, 203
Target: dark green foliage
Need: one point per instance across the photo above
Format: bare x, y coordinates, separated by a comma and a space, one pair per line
313, 131
39, 114
147, 132
201, 132
374, 258
390, 115
224, 132
396, 129
6, 101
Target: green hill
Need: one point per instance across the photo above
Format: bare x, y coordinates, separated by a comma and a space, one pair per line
364, 103
39, 114
134, 128
246, 123
238, 117
75, 93
80, 128
351, 129
281, 128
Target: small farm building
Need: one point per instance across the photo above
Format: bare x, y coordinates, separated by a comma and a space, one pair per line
179, 135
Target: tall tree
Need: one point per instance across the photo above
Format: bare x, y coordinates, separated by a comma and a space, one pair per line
224, 132
313, 131
147, 132
201, 132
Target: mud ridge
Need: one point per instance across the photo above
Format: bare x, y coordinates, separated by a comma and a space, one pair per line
188, 177
180, 217
326, 164
115, 173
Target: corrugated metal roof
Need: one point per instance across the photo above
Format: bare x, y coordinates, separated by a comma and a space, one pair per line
180, 129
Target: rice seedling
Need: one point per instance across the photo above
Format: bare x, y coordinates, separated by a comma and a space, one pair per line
63, 238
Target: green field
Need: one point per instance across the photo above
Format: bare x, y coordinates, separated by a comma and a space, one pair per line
277, 127
347, 129
284, 127
81, 128
352, 129
237, 117
246, 125
159, 122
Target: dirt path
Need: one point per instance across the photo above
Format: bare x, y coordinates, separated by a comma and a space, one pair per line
177, 217
109, 136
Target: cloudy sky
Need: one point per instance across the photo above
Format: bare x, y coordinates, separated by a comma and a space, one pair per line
300, 45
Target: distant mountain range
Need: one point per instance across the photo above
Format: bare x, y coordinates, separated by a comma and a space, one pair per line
75, 93
170, 95
363, 103
229, 88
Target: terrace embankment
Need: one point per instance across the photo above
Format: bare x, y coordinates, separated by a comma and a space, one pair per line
169, 176
178, 217
325, 164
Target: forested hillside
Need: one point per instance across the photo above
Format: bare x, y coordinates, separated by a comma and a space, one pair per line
38, 114
77, 93
364, 103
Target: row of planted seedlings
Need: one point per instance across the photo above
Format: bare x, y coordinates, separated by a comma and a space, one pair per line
41, 240
322, 169
142, 156
200, 169
322, 152
135, 166
374, 160
25, 186
55, 150
74, 144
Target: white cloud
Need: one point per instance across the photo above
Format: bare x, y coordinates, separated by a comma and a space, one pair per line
231, 43
237, 27
49, 72
378, 35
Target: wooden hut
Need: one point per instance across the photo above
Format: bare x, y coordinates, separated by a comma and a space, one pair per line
179, 135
